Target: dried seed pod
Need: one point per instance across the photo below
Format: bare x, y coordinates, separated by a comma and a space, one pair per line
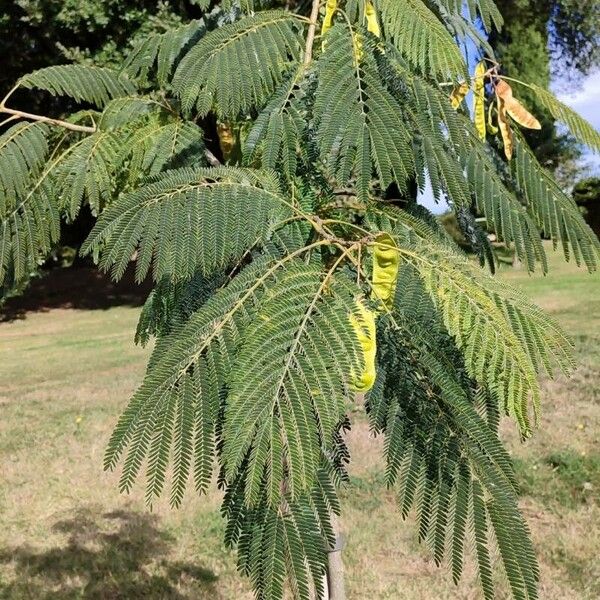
514, 108
458, 94
505, 130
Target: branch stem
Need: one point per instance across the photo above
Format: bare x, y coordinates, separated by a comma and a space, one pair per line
19, 114
310, 36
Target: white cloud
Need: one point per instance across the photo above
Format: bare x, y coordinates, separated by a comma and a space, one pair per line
586, 100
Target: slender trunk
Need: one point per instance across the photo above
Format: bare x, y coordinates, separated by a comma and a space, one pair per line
335, 590
312, 30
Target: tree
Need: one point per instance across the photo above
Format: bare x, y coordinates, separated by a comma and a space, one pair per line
288, 286
40, 33
586, 194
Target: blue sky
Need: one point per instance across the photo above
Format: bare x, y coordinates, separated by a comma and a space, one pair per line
585, 99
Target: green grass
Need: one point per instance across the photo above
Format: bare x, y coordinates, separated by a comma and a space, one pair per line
567, 293
66, 533
562, 480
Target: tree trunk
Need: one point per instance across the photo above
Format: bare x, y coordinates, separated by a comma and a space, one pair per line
334, 588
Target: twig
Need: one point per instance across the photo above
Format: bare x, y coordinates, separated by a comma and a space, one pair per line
10, 93
11, 118
19, 114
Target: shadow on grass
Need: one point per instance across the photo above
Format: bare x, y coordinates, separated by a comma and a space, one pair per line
110, 556
81, 288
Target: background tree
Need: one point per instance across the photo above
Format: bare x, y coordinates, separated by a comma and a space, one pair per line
287, 282
586, 194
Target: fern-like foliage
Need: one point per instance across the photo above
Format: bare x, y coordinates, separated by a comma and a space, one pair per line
358, 122
290, 386
171, 304
277, 134
422, 38
187, 220
291, 540
29, 219
210, 343
95, 85
581, 130
162, 52
504, 340
464, 170
486, 10
199, 347
502, 210
122, 111
23, 151
555, 212
151, 137
86, 172
447, 463
238, 66
161, 145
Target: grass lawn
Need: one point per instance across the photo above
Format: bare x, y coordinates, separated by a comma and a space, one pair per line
65, 376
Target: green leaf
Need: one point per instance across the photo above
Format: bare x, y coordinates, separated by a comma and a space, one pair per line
301, 348
555, 213
422, 38
581, 130
96, 85
29, 217
359, 124
237, 67
188, 219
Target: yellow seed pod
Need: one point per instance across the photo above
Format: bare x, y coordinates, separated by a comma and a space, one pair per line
386, 261
458, 94
227, 141
505, 130
363, 323
479, 99
330, 9
371, 16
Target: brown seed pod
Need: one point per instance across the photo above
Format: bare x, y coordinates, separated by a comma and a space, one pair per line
514, 108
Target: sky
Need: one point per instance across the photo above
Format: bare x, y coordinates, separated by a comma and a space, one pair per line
585, 100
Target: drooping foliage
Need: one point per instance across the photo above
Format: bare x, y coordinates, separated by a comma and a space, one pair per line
299, 268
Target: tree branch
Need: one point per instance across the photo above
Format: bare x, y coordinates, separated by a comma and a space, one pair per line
213, 161
31, 117
310, 37
19, 114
